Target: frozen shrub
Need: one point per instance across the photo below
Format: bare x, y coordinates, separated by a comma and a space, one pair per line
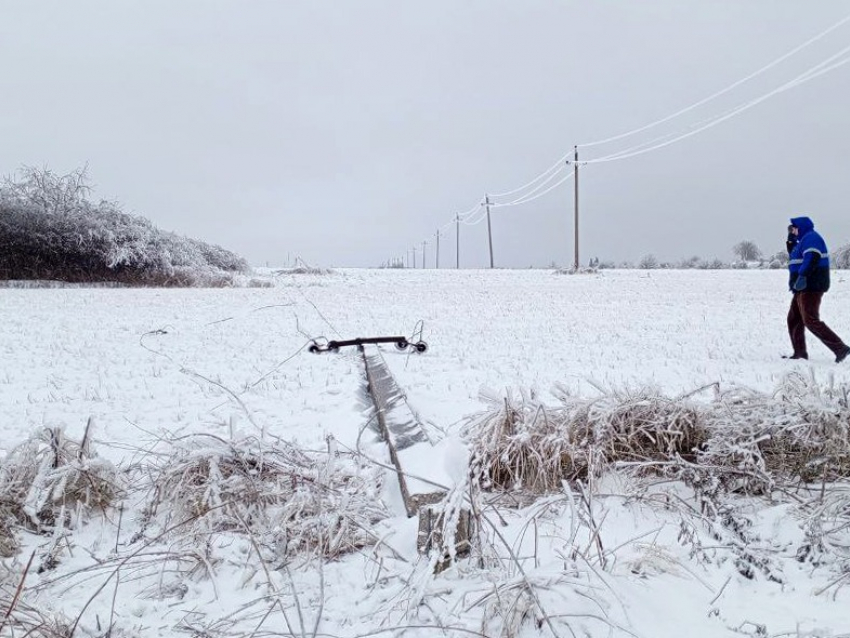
50, 230
841, 257
51, 480
648, 262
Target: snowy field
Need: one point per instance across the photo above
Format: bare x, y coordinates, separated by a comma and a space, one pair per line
234, 363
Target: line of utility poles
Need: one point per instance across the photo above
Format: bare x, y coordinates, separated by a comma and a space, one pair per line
411, 262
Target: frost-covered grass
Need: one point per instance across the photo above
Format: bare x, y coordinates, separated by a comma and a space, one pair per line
663, 471
739, 439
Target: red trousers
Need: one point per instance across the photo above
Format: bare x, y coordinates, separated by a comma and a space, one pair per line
805, 313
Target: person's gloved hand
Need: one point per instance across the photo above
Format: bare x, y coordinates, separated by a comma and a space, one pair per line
792, 239
800, 284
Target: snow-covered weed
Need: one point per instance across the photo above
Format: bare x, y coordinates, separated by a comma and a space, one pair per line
520, 443
18, 616
303, 268
293, 501
8, 542
741, 441
50, 480
28, 620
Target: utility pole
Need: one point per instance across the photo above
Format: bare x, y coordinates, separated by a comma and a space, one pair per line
414, 257
438, 250
489, 230
457, 240
575, 175
423, 253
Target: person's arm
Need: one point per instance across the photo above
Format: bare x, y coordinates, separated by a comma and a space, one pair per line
811, 256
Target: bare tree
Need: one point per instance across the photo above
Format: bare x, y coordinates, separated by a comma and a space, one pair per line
648, 262
747, 251
53, 194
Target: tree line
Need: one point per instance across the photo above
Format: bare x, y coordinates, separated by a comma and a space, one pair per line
51, 230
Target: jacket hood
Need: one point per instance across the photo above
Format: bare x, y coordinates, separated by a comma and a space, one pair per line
803, 224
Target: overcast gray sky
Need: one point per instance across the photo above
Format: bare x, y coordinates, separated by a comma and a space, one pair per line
348, 132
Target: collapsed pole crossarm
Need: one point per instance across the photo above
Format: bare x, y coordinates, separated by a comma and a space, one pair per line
401, 343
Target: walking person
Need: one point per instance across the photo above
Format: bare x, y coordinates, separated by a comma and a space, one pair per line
808, 268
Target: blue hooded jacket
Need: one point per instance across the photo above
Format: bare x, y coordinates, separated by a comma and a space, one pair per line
809, 258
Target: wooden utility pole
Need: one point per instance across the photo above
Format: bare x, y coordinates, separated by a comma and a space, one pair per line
575, 175
489, 229
457, 240
437, 266
414, 257
423, 253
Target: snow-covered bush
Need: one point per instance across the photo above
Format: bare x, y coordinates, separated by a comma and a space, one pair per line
50, 230
648, 262
841, 258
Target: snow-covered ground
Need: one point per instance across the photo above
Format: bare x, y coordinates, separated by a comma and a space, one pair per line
234, 362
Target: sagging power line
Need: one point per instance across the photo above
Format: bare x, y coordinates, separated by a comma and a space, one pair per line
543, 184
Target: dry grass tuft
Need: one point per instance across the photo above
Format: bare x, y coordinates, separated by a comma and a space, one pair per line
638, 427
8, 543
800, 433
292, 501
523, 444
740, 441
27, 620
51, 480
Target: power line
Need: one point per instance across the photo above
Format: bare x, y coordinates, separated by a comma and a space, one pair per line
555, 167
540, 186
738, 83
526, 199
812, 73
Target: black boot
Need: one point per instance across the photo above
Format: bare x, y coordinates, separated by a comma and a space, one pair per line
841, 356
